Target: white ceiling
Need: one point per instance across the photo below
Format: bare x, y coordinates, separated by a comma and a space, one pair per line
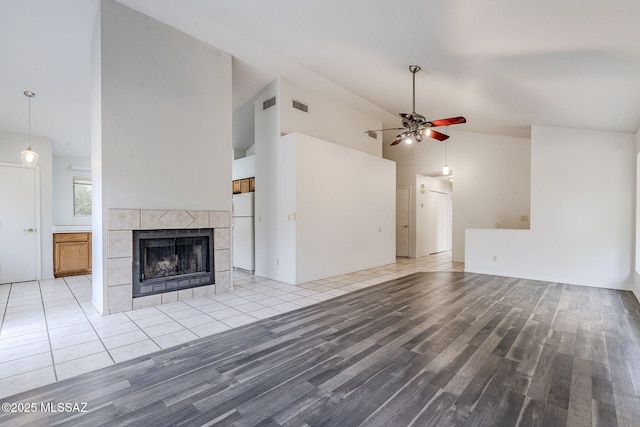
503, 64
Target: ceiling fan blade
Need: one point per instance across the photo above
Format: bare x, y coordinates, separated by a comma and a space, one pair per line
382, 130
437, 135
449, 121
395, 141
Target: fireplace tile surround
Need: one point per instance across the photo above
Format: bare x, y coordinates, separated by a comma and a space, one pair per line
122, 222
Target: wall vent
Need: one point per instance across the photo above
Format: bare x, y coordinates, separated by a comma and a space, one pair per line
372, 134
300, 106
269, 103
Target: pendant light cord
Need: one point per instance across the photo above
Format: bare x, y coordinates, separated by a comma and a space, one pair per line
29, 95
29, 122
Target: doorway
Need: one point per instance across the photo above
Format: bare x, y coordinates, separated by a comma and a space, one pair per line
403, 221
19, 223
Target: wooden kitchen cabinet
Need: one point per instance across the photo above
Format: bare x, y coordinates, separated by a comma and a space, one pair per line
236, 186
71, 254
245, 185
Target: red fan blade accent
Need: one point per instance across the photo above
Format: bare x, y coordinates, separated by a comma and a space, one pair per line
395, 142
437, 135
447, 122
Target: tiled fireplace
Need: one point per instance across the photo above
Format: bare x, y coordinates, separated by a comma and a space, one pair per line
120, 266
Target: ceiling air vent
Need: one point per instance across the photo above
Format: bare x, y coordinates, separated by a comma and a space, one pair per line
372, 134
300, 106
269, 103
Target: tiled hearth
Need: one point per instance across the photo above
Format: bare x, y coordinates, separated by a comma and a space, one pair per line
122, 222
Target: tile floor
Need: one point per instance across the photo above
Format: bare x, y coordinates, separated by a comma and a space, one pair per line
50, 331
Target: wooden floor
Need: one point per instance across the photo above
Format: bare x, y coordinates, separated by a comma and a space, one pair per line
428, 349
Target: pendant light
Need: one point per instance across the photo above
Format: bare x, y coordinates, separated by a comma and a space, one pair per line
445, 168
28, 156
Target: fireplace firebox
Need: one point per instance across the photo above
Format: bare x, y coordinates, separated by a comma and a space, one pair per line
171, 260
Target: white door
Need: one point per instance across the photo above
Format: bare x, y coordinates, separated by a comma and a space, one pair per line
403, 200
243, 243
18, 231
243, 204
437, 222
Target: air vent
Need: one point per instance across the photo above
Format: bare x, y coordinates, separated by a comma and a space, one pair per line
300, 106
372, 134
269, 103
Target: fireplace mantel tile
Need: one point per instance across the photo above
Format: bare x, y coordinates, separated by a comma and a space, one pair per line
176, 219
150, 219
120, 298
221, 260
201, 219
223, 282
120, 244
203, 291
124, 219
119, 271
169, 297
122, 222
148, 301
219, 219
184, 294
221, 238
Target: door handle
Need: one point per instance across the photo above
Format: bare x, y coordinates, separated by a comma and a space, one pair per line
405, 226
30, 230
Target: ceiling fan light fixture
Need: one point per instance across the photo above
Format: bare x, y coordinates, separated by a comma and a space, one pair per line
445, 170
415, 126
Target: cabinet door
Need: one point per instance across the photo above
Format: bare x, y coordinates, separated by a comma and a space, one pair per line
236, 186
71, 254
252, 184
72, 257
244, 185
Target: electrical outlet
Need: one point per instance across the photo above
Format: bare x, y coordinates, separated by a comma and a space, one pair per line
495, 257
524, 218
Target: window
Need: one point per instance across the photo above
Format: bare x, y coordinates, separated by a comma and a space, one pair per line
81, 196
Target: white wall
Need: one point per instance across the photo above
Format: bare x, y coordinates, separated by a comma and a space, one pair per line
165, 118
98, 231
11, 144
291, 176
582, 214
244, 128
344, 211
491, 185
244, 167
636, 282
327, 119
267, 135
63, 190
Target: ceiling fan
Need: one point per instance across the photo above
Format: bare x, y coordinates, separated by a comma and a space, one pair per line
416, 126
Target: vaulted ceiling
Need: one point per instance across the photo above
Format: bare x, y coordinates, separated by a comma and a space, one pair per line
504, 65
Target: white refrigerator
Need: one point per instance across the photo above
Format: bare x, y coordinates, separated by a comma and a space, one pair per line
243, 231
